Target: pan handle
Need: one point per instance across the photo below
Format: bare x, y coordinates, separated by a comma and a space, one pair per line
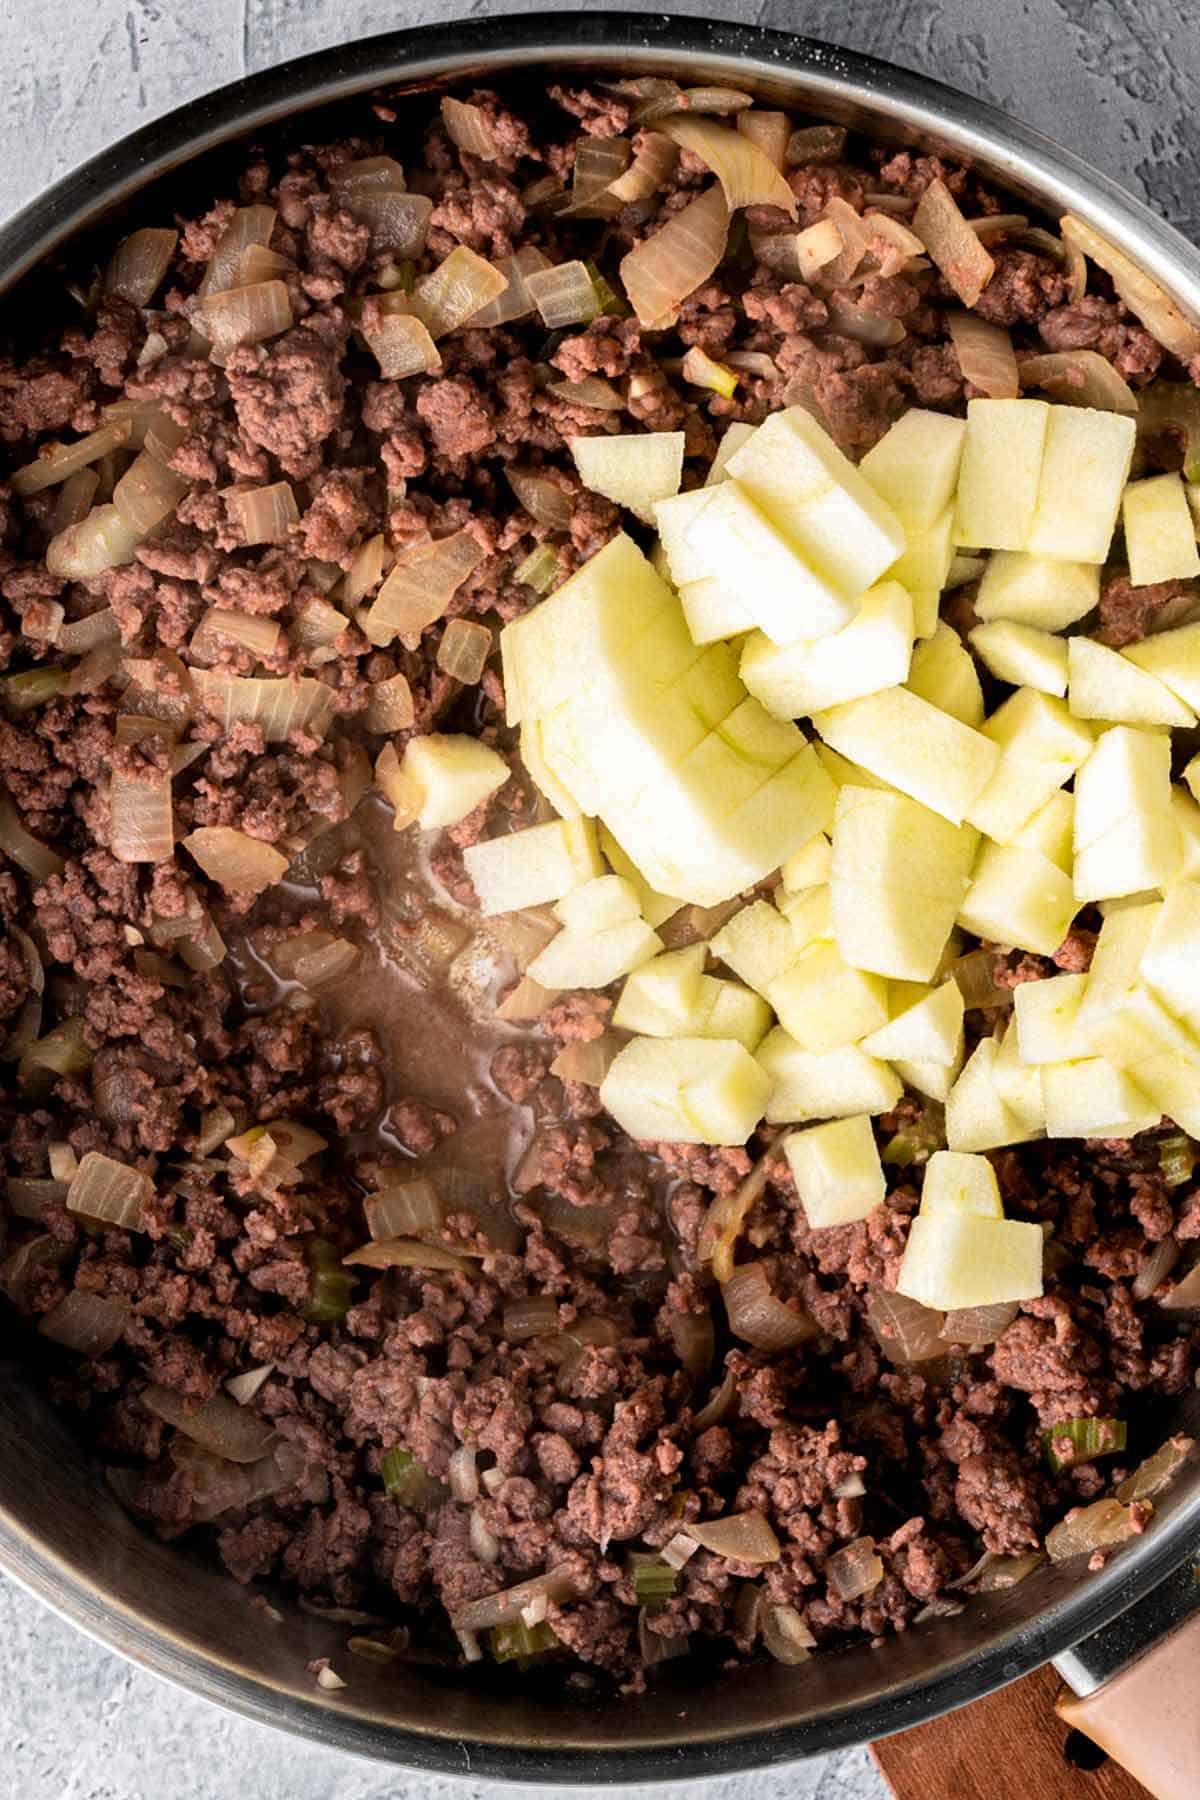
1131, 1687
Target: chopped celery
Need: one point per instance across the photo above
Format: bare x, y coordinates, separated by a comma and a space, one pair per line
405, 1480
33, 687
539, 569
1176, 1159
607, 299
332, 1284
521, 1643
653, 1579
63, 1051
1082, 1440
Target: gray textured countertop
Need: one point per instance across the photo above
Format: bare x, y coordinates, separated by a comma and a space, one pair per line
1115, 79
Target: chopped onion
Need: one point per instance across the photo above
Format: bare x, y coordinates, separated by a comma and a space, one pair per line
855, 1569
1155, 1269
100, 541
368, 175
901, 248
744, 1537
407, 1253
769, 131
94, 670
28, 1197
1184, 1296
671, 98
244, 1387
504, 1608
974, 975
158, 968
525, 1319
1095, 1527
754, 362
543, 499
138, 265
422, 582
985, 355
856, 240
147, 493
816, 143
102, 1188
1158, 1471
266, 514
865, 327
249, 225
785, 1635
979, 1324
454, 292
63, 1161
653, 164
485, 1545
406, 1209
37, 1253
527, 1001
64, 1051
219, 1425
233, 859
251, 630
216, 1127
280, 705
563, 294
702, 371
997, 225
80, 635
724, 1220
659, 273
88, 1323
467, 126
587, 1062
694, 1340
659, 1646
257, 263
514, 301
75, 498
402, 346
36, 858
56, 462
951, 243
599, 162
462, 1474
464, 650
316, 627
593, 391
539, 570
1144, 297
297, 958
757, 1316
679, 1550
905, 1331
142, 817
390, 705
245, 315
1080, 378
748, 177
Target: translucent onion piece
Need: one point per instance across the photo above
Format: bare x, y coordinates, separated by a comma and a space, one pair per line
402, 346
55, 462
1095, 1527
539, 570
462, 1474
702, 371
659, 1646
266, 514
1144, 298
29, 1196
254, 632
32, 688
1080, 378
1008, 1571
951, 243
694, 1340
527, 1001
1158, 1471
147, 493
592, 391
744, 1537
240, 863
693, 100
88, 1323
142, 817
407, 1253
542, 498
366, 571
257, 263
769, 131
563, 295
454, 291
64, 1051
855, 1569
525, 1319
1184, 1297
317, 625
245, 315
485, 1545
997, 225
329, 962
79, 635
406, 1209
587, 1062
754, 362
893, 245
785, 1635
653, 164
659, 273
160, 687
281, 704
390, 705
159, 968
75, 498
397, 221
975, 978
219, 1425
598, 163
139, 264
206, 949
243, 1388
102, 1188
467, 126
816, 143
978, 1324
985, 355
94, 670
249, 225
856, 239
506, 1607
100, 541
369, 174
422, 582
464, 649
748, 177
865, 327
514, 301
1155, 1269
724, 1220
217, 1125
28, 852
757, 1316
906, 1331
18, 1269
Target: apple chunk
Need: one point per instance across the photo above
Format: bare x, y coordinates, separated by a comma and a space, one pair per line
958, 1182
1170, 963
1022, 655
1018, 897
685, 1090
1174, 657
837, 1171
527, 868
898, 875
929, 1030
1037, 590
824, 1003
1093, 1098
662, 995
1106, 685
1047, 1015
592, 959
831, 1085
977, 1118
633, 469
442, 778
1040, 747
959, 1260
942, 671
922, 751
871, 652
1160, 533
1001, 472
1084, 468
915, 464
757, 944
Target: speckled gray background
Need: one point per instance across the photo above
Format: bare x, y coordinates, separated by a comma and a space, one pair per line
1119, 80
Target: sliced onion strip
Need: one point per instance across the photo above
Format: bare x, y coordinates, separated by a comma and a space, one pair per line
402, 346
142, 816
1080, 378
422, 582
563, 294
854, 1570
219, 1425
659, 273
468, 128
951, 243
87, 1323
138, 264
56, 462
406, 1209
744, 1537
758, 1317
281, 705
748, 177
985, 355
504, 1608
1144, 297
245, 315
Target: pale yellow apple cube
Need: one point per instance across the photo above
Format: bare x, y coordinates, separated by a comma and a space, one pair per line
806, 1084
448, 776
595, 905
924, 568
1171, 960
807, 866
1141, 1029
953, 1261
1160, 533
1173, 1086
1142, 851
824, 1003
675, 518
1116, 962
958, 1182
732, 439
757, 944
928, 1030
915, 464
870, 653
687, 1090
809, 915
922, 751
1039, 747
1019, 1086
1186, 815
1093, 1098
656, 908
1018, 897
1050, 831
943, 672
1128, 771
977, 1118
898, 877
1001, 472
528, 868
592, 959
1105, 685
843, 773
1037, 590
1046, 1015
930, 1078
541, 774
837, 1171
1023, 655
726, 1009
661, 996
633, 469
1174, 657
711, 611
1084, 469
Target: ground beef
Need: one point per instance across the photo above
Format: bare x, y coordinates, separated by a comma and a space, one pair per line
534, 1344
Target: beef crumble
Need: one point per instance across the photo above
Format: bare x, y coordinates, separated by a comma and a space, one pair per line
587, 1437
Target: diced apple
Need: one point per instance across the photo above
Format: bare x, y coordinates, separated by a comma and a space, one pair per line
1084, 469
809, 915
586, 959
921, 750
1170, 963
542, 775
633, 469
1001, 471
1050, 831
1174, 657
817, 498
837, 1171
843, 773
1173, 1087
1160, 533
870, 653
726, 1009
1105, 685
915, 464
661, 996
1186, 815
675, 518
899, 873
1143, 851
1039, 747
1046, 1015
1037, 590
527, 868
809, 865
929, 1030
976, 1116
924, 569
1141, 1029
1126, 837
686, 1090
943, 672
756, 943
711, 611
807, 1085
1022, 654
933, 1079
732, 439
958, 1182
1116, 961
1019, 1085
1018, 897
824, 1003
597, 904
444, 777
656, 908
1092, 1098
953, 1261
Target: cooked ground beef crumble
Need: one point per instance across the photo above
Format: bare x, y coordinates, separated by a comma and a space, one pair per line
593, 1441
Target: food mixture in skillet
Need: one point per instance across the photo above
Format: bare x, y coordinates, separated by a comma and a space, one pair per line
507, 1133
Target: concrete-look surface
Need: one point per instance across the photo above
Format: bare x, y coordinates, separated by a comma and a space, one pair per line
1116, 80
